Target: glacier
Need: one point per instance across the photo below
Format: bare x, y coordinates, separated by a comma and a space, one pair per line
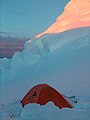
61, 60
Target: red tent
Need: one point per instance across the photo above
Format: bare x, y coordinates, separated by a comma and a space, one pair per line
42, 94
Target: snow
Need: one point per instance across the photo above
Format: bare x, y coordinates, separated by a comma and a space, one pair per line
61, 60
11, 110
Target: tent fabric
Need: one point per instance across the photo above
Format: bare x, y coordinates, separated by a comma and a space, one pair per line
42, 94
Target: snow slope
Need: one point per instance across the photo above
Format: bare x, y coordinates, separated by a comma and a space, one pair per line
63, 61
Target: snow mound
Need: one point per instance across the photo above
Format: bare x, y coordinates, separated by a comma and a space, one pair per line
61, 60
39, 49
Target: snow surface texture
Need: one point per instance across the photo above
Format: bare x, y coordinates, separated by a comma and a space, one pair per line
11, 110
60, 60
